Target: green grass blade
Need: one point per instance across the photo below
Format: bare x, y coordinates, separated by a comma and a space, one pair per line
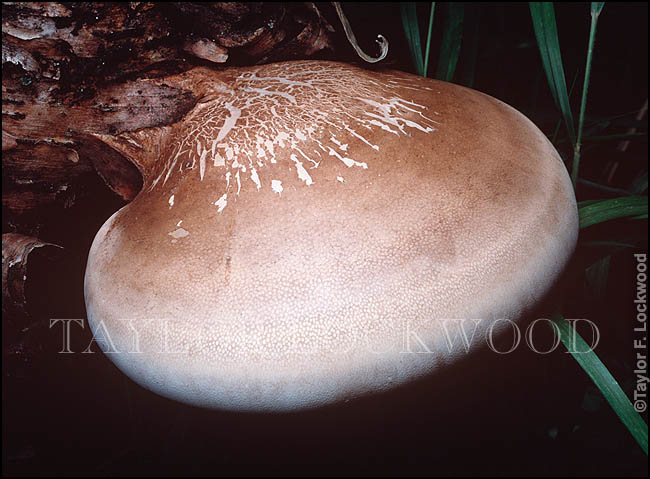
640, 183
559, 121
596, 276
594, 212
596, 8
556, 131
428, 46
608, 189
412, 32
543, 16
451, 40
602, 378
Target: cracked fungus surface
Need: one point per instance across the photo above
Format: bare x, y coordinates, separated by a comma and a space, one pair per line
313, 110
304, 229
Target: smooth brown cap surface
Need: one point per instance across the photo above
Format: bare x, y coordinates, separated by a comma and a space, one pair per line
303, 232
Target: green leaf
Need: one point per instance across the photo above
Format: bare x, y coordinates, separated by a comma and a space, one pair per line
559, 121
640, 183
596, 8
603, 379
597, 211
451, 40
543, 16
428, 47
596, 276
412, 32
608, 189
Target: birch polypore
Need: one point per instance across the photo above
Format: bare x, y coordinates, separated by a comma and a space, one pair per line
304, 230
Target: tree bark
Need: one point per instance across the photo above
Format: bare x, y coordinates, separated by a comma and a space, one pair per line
75, 69
71, 71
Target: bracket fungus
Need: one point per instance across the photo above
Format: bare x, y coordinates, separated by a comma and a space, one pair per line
306, 220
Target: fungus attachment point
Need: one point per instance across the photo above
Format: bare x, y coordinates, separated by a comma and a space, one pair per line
334, 220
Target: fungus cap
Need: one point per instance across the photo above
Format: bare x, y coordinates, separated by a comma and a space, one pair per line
305, 230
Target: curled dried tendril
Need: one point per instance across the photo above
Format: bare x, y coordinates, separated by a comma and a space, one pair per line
381, 40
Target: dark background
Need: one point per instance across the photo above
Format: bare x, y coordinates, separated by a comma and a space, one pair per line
496, 415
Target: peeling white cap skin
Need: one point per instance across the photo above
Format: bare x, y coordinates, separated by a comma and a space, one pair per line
288, 288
